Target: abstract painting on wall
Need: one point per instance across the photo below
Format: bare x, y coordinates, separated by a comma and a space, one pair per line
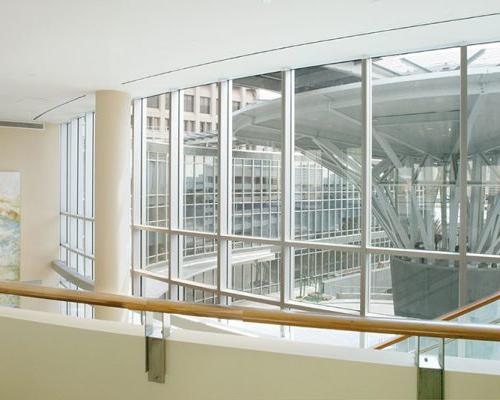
10, 231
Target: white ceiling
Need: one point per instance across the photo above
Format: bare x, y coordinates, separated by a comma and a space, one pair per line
56, 50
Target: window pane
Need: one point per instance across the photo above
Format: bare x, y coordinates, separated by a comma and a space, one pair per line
327, 278
153, 289
201, 166
484, 149
255, 268
188, 102
205, 105
204, 273
415, 182
483, 183
328, 137
77, 230
257, 156
199, 264
416, 109
157, 166
413, 287
156, 169
153, 101
156, 252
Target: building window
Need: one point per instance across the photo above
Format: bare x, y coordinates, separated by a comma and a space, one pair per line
236, 105
153, 123
188, 103
205, 126
189, 126
153, 102
205, 105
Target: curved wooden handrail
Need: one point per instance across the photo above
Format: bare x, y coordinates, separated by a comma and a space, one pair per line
448, 317
359, 324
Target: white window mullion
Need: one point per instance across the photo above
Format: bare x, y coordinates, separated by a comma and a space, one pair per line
366, 186
138, 164
462, 271
287, 187
176, 192
225, 178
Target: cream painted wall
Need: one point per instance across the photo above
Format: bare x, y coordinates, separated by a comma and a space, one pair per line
36, 155
53, 357
50, 358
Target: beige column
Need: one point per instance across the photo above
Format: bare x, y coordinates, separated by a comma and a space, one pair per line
112, 197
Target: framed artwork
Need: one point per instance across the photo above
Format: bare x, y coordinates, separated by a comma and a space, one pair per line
10, 231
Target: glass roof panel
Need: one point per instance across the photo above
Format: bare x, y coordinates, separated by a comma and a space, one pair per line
417, 63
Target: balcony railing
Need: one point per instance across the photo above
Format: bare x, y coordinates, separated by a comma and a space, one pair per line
440, 329
469, 308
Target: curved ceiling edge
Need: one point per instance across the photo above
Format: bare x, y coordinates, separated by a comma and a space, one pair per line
309, 43
58, 106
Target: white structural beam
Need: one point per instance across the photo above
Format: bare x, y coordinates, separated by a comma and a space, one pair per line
430, 198
387, 149
417, 215
398, 232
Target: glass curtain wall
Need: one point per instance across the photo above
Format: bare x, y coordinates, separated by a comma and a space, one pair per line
150, 183
155, 198
256, 189
415, 178
278, 170
76, 249
200, 136
483, 179
257, 138
327, 155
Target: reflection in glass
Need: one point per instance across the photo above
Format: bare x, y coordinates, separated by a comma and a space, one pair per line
153, 289
328, 136
484, 150
327, 278
257, 155
425, 288
255, 268
415, 174
416, 103
77, 202
156, 139
458, 348
201, 138
479, 349
415, 180
199, 264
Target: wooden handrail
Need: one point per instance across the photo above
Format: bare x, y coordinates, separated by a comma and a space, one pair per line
448, 317
310, 320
